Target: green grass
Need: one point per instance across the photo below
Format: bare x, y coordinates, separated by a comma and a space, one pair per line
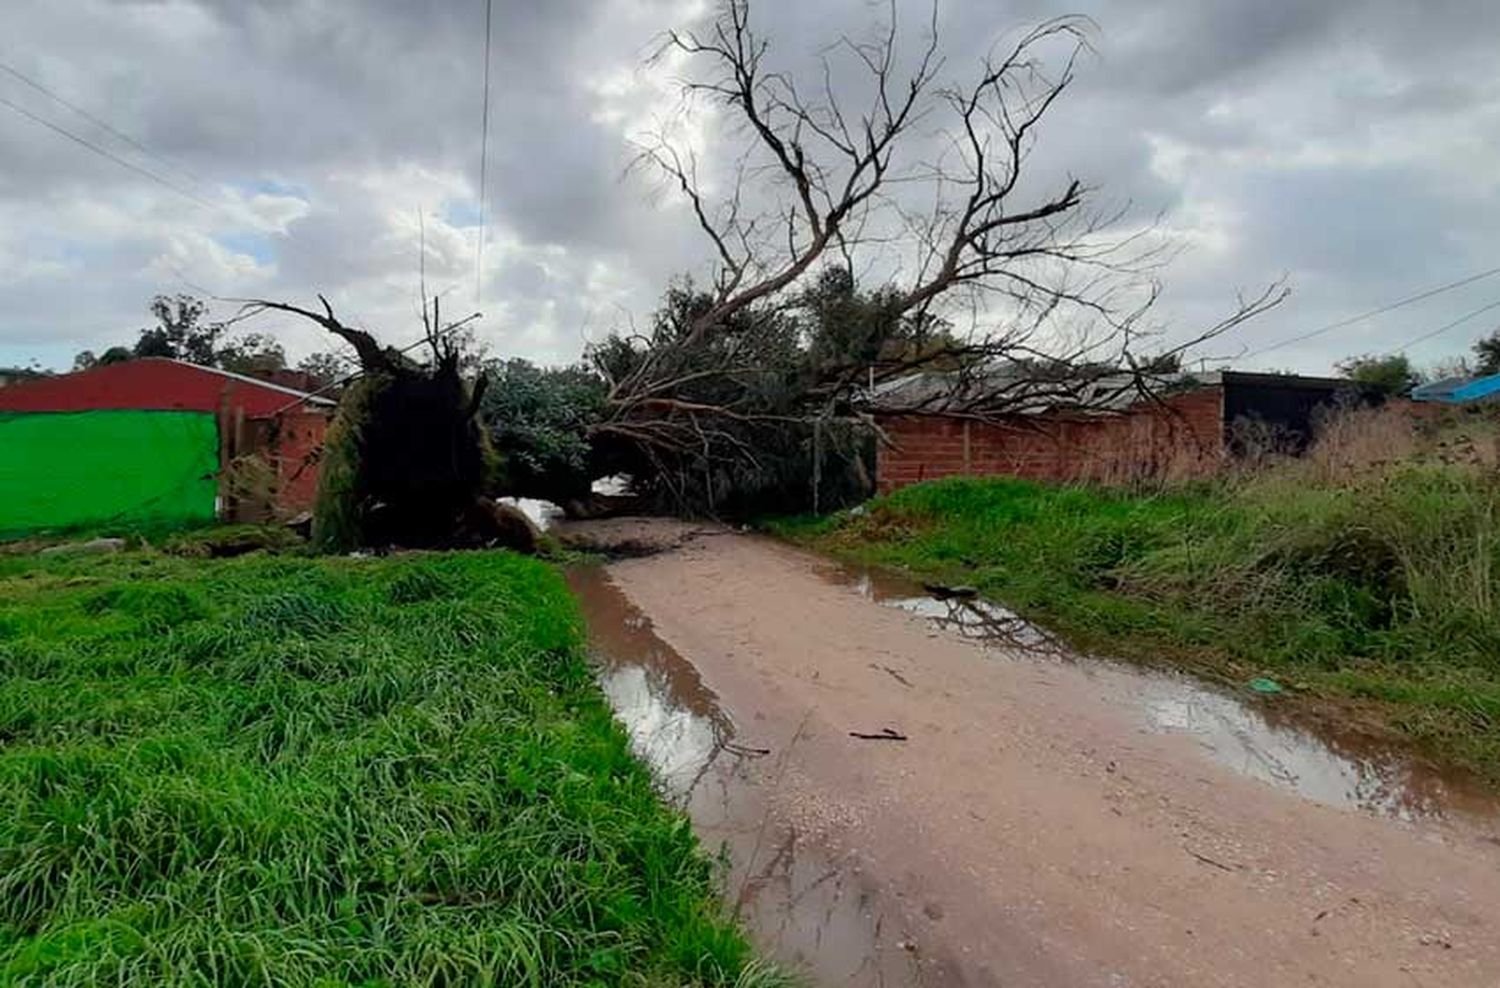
291, 771
231, 540
1377, 596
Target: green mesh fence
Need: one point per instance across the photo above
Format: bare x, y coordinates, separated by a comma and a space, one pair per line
127, 469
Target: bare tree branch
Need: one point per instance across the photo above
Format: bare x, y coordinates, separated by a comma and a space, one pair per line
884, 163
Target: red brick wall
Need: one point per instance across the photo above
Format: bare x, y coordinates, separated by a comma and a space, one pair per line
269, 466
1184, 435
296, 455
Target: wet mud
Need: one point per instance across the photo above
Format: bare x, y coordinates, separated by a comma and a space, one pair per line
994, 840
1340, 768
807, 904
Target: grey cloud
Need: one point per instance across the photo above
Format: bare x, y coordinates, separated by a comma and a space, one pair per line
370, 111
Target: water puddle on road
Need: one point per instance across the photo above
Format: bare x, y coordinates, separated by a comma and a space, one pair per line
806, 904
1340, 768
673, 720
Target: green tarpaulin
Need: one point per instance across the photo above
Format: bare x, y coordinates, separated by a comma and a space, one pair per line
125, 469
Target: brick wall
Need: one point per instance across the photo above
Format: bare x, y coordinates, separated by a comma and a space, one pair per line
269, 466
298, 450
1182, 436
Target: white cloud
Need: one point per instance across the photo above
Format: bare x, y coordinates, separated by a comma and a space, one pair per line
1354, 145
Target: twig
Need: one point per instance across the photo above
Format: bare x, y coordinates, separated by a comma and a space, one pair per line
894, 674
1211, 862
885, 734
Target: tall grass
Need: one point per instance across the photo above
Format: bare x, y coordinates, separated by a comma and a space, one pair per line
310, 772
1368, 569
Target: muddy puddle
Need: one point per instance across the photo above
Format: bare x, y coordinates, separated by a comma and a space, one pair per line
810, 904
1253, 737
807, 904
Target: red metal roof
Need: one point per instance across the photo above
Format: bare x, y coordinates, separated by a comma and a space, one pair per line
155, 383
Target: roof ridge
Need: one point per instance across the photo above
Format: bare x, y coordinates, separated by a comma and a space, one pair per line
247, 379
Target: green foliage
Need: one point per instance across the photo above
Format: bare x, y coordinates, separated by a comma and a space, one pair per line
14, 375
846, 327
538, 421
1487, 355
336, 509
1390, 374
297, 772
183, 331
1386, 586
785, 440
325, 369
252, 354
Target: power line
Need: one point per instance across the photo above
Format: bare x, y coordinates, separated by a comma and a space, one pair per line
223, 209
218, 207
484, 153
1447, 326
105, 152
1399, 303
97, 122
285, 243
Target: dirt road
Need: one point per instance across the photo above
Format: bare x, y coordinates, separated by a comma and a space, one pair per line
1042, 821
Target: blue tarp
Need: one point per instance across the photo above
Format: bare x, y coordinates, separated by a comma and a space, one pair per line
1460, 390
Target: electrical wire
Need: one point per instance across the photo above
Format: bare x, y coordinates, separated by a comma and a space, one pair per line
97, 122
105, 152
484, 153
221, 208
450, 328
1447, 326
1399, 303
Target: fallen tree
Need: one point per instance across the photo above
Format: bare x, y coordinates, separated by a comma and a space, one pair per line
1022, 291
407, 461
1000, 291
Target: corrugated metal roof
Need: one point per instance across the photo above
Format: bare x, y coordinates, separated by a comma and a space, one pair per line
154, 383
1459, 390
1018, 391
1011, 390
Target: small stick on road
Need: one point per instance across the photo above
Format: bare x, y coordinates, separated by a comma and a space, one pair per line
1210, 861
886, 734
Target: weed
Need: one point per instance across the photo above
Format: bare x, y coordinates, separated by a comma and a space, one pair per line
426, 583
289, 771
232, 540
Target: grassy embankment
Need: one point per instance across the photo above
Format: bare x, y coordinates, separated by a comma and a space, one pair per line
288, 771
1370, 583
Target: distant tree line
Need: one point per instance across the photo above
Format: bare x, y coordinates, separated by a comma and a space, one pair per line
1395, 374
183, 331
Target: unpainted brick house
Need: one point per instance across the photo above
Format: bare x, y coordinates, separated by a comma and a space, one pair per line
1190, 428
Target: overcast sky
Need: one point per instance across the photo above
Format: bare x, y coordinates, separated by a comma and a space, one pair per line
1352, 146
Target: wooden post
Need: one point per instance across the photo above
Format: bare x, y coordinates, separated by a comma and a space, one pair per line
226, 439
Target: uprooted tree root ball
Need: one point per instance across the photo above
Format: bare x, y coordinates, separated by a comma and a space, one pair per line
407, 461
